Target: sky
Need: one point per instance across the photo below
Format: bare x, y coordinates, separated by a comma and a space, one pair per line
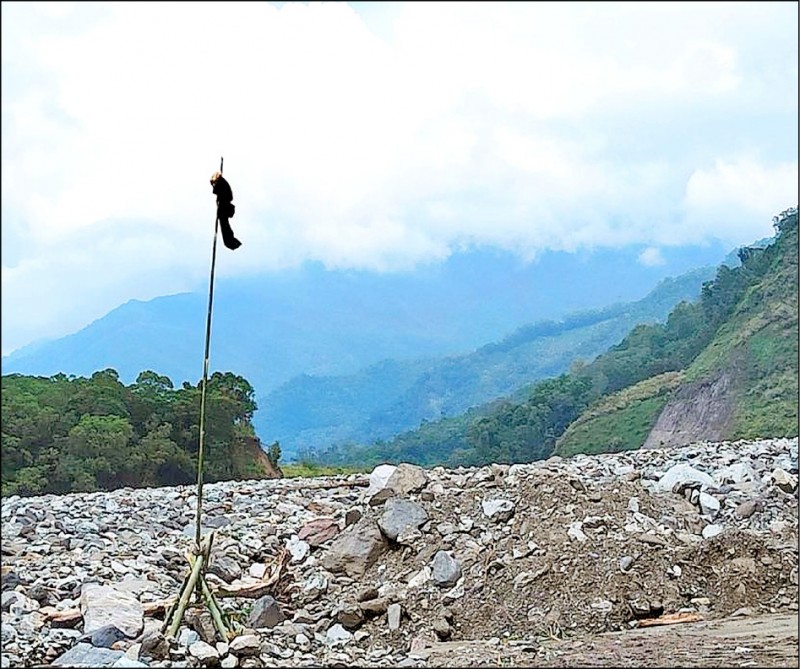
376, 136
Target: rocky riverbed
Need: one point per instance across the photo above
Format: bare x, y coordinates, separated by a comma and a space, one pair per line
390, 568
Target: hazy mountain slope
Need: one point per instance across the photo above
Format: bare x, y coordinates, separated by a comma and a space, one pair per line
725, 365
310, 320
385, 399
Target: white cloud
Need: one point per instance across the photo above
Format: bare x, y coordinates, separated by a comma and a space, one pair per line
651, 257
523, 125
726, 198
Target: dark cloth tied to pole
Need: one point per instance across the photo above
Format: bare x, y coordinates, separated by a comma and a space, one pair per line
225, 209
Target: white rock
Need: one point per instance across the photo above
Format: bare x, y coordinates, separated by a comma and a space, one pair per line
709, 504
497, 508
378, 479
682, 473
575, 531
257, 570
337, 635
422, 577
298, 548
393, 616
711, 531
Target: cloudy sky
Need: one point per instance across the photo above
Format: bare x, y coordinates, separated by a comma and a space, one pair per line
376, 135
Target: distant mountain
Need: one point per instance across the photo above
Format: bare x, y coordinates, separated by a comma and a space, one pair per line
724, 366
382, 400
314, 321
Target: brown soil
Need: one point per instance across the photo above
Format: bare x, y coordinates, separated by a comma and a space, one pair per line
763, 641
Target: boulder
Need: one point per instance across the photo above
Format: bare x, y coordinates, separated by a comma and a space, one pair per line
682, 473
356, 549
399, 515
102, 605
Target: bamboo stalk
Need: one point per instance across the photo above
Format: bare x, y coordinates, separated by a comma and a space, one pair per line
216, 613
185, 595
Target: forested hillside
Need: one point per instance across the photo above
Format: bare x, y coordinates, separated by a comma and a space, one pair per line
742, 330
65, 434
386, 399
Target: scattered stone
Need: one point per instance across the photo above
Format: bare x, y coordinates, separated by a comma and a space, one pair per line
575, 531
378, 478
401, 514
350, 616
245, 645
317, 532
748, 508
297, 548
337, 635
709, 504
499, 510
367, 593
103, 605
54, 547
374, 606
446, 569
681, 473
710, 531
406, 479
442, 629
784, 480
380, 497
86, 655
201, 622
104, 637
225, 567
625, 562
356, 549
204, 652
393, 616
352, 516
265, 613
154, 646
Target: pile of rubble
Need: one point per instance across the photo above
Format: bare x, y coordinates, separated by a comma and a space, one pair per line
377, 570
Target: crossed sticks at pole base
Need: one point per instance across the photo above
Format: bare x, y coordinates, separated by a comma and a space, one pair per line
195, 581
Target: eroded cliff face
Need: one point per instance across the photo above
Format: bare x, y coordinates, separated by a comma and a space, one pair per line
698, 412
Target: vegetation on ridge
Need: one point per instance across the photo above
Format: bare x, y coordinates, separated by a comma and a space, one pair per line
66, 434
745, 317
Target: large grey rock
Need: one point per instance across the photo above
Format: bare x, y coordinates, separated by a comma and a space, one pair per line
86, 655
735, 473
104, 637
356, 549
401, 514
446, 569
406, 479
102, 605
225, 567
265, 613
